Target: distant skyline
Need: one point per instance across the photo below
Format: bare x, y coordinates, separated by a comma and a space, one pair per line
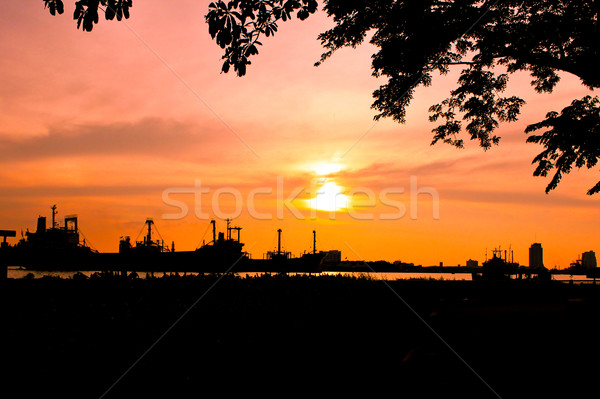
102, 123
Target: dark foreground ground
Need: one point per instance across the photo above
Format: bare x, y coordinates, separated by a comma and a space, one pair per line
286, 336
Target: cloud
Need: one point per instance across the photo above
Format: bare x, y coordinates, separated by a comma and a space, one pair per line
470, 179
536, 199
62, 191
155, 137
385, 172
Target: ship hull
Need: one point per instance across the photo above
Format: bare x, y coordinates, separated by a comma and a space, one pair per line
199, 261
307, 263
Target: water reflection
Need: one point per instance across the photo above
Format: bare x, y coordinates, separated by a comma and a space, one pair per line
16, 272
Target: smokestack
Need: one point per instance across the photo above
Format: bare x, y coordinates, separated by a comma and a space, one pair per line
214, 225
53, 216
149, 235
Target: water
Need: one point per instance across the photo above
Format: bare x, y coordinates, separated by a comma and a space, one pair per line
390, 276
575, 278
16, 272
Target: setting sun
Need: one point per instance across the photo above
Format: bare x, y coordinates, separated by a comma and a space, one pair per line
329, 197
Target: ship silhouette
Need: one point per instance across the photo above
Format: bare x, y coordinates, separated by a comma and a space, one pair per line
498, 269
63, 248
52, 247
284, 262
149, 254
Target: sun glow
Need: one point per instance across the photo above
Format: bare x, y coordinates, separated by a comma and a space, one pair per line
329, 197
326, 168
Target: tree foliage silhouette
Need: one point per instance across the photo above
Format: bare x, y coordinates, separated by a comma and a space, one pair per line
86, 11
490, 39
572, 138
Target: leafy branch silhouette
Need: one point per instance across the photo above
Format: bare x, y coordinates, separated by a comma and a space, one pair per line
418, 38
86, 11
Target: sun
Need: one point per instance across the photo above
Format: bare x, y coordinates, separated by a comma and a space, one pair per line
329, 197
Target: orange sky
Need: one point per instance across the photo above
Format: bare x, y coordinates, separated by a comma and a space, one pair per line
103, 123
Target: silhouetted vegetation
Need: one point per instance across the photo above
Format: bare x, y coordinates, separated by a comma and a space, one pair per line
276, 333
417, 38
572, 139
491, 39
87, 11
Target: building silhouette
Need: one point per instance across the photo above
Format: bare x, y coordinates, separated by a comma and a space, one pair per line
472, 263
536, 256
588, 260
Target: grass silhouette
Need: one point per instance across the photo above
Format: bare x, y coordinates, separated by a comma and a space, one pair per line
76, 337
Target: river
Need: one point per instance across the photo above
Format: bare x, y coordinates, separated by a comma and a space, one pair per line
16, 272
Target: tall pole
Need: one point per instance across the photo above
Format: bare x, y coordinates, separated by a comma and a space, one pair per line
314, 241
278, 241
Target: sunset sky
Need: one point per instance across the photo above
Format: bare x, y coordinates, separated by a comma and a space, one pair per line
102, 123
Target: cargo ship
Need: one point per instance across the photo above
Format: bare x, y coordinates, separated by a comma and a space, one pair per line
52, 247
64, 248
501, 269
284, 262
222, 254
